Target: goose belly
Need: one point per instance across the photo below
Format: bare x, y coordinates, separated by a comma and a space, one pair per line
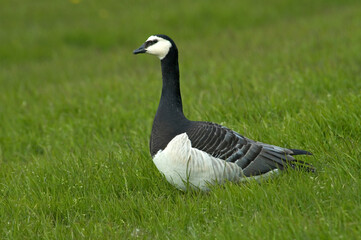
186, 167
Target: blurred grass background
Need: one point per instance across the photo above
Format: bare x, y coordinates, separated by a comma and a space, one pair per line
76, 109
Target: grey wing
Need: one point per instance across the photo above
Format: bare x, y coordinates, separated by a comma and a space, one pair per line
253, 157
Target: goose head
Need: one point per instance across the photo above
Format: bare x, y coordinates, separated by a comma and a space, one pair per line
158, 45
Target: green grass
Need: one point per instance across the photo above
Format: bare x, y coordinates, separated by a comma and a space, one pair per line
76, 109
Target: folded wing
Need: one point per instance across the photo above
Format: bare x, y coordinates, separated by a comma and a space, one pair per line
255, 158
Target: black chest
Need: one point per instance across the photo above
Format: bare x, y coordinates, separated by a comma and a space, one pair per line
164, 130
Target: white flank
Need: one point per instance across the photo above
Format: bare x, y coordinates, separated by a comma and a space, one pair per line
159, 49
184, 166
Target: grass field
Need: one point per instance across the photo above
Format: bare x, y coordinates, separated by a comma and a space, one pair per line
76, 109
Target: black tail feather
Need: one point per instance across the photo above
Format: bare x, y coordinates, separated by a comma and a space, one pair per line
299, 152
295, 163
268, 160
303, 166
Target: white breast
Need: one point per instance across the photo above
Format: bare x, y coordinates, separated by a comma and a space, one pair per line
184, 166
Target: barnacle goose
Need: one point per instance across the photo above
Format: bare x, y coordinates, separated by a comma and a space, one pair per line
194, 154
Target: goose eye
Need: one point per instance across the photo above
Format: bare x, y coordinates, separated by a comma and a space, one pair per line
151, 42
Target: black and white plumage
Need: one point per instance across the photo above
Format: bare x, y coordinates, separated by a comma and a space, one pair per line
196, 154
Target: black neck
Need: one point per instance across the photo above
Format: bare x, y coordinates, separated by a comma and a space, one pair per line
169, 120
171, 100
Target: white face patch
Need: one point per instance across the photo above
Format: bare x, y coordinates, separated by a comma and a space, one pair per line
160, 48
